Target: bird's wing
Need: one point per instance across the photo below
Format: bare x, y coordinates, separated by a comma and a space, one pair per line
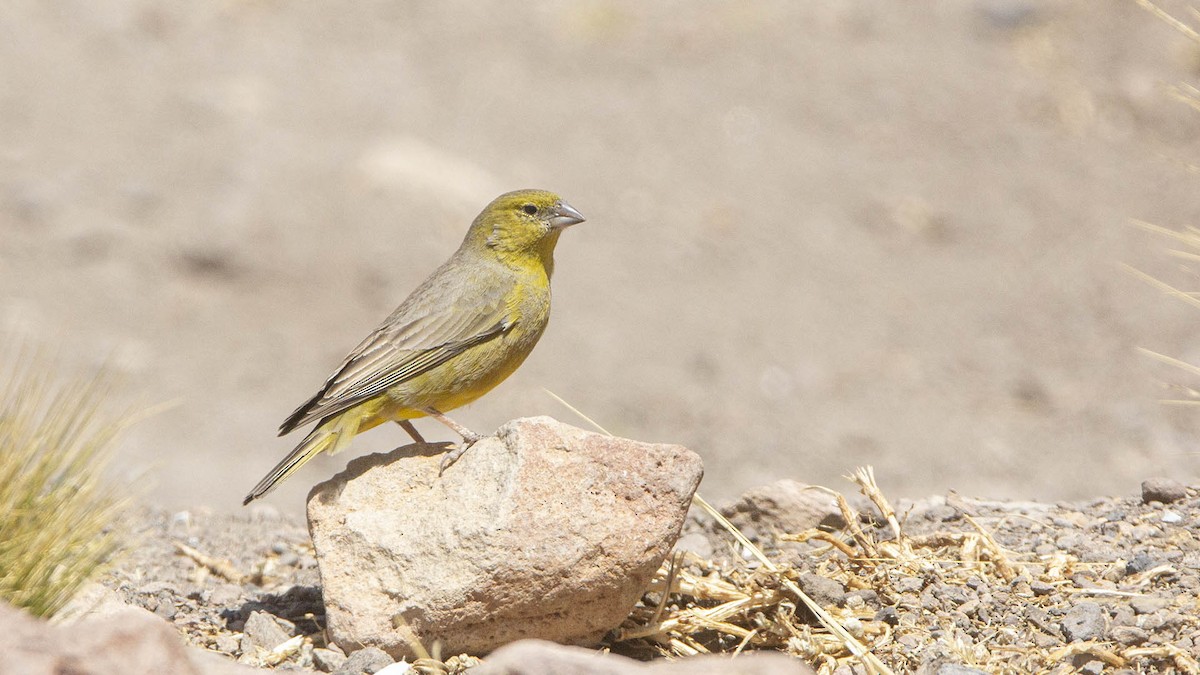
415, 339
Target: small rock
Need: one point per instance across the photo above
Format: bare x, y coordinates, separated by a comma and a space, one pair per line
909, 584
1140, 562
227, 644
786, 506
289, 559
1165, 490
369, 660
867, 596
1092, 667
542, 531
826, 592
1045, 641
538, 657
1171, 517
327, 660
1129, 635
953, 594
1148, 604
1040, 587
888, 615
1085, 621
166, 610
262, 630
1122, 615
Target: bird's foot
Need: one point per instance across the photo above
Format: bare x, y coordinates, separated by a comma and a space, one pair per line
454, 453
469, 438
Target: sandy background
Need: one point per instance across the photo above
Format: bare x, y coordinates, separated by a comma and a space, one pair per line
820, 234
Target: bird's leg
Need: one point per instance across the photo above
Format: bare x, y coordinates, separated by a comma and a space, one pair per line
469, 438
412, 431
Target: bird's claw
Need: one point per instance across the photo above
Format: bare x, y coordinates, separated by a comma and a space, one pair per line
454, 453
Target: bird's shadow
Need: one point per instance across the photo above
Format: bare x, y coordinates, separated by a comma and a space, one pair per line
304, 606
361, 465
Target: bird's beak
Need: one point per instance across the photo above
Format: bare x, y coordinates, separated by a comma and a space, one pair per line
565, 215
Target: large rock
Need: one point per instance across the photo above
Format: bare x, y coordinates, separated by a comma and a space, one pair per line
543, 531
120, 641
535, 657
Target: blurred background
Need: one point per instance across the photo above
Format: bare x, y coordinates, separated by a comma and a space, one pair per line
820, 234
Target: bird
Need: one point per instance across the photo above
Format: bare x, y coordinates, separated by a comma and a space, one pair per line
460, 333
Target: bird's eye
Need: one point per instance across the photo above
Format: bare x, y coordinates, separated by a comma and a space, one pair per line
530, 209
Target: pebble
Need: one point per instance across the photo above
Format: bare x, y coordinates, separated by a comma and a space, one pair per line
826, 592
1164, 490
1085, 621
1140, 562
866, 596
955, 595
1171, 517
1147, 604
1041, 588
1129, 635
328, 660
263, 630
368, 660
1046, 641
166, 610
227, 644
1123, 615
1144, 531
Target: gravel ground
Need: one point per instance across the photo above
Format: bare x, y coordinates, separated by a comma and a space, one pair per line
1110, 584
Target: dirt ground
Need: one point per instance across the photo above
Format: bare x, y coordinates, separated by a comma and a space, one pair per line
1109, 585
820, 235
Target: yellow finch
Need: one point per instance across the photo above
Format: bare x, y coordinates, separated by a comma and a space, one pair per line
458, 335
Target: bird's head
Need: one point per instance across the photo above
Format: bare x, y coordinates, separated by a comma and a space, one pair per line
523, 222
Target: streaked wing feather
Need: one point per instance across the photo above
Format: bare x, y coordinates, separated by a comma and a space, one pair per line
401, 349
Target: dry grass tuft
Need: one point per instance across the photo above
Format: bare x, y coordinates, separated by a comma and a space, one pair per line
57, 514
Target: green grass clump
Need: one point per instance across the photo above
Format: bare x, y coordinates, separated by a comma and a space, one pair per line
57, 513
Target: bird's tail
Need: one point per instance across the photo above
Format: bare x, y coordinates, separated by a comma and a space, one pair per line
331, 435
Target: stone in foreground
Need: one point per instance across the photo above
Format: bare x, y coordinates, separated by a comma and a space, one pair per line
536, 657
544, 531
116, 639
